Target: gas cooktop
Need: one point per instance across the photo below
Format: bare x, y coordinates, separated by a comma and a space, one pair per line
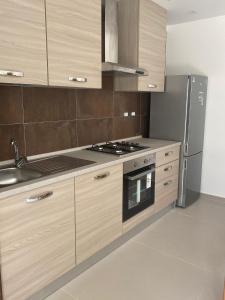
118, 148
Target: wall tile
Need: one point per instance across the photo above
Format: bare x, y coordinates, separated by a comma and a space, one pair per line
94, 131
126, 127
145, 126
95, 103
11, 109
145, 103
126, 102
48, 104
50, 137
7, 132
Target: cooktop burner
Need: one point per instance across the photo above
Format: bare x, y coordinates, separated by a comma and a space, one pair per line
118, 148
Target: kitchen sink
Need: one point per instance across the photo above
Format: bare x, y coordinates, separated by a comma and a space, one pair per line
10, 176
40, 168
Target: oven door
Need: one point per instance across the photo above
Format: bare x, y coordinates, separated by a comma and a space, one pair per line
138, 191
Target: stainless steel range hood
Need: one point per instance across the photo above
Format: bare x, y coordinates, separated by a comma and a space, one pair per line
110, 42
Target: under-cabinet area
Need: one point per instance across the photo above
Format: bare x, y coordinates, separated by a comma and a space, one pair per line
49, 230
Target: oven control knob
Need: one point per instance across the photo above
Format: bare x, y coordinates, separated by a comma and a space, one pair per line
146, 161
135, 165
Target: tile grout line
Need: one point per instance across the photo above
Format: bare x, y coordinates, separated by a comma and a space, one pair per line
24, 130
171, 256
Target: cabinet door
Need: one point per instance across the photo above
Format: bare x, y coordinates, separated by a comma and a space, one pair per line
23, 57
37, 239
98, 197
152, 45
74, 43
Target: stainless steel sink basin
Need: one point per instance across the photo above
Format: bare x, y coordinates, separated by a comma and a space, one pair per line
40, 168
10, 176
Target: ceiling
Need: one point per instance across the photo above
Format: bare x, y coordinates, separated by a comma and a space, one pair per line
181, 11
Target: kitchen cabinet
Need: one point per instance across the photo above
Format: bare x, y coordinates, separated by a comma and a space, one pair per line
37, 233
167, 177
74, 43
142, 42
98, 197
23, 57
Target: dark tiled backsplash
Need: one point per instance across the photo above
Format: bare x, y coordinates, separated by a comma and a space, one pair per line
45, 119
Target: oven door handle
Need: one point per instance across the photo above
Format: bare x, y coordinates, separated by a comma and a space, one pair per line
135, 177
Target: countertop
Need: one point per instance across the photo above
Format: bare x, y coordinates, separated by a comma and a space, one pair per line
101, 161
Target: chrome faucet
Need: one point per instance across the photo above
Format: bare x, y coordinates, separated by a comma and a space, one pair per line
19, 160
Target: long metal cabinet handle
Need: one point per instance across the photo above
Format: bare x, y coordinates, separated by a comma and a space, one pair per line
78, 79
39, 197
102, 176
153, 86
138, 176
11, 73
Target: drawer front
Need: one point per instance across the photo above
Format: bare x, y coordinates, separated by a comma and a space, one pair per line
165, 171
37, 238
98, 198
165, 189
168, 155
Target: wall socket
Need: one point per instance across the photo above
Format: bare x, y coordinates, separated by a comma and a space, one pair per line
133, 114
126, 114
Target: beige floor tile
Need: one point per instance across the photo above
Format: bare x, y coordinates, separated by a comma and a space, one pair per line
60, 295
136, 272
193, 241
206, 209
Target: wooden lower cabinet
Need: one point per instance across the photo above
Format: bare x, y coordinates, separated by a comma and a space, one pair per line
166, 192
37, 239
98, 198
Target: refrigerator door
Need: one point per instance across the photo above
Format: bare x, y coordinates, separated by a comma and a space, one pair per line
190, 179
169, 110
196, 115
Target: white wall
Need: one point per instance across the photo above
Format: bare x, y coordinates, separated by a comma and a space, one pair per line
199, 47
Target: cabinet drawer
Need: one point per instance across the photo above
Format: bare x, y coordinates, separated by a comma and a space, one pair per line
37, 233
168, 155
98, 197
165, 188
165, 171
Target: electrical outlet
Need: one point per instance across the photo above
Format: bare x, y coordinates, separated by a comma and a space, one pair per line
133, 114
126, 114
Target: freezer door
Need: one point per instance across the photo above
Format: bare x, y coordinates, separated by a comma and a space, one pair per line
190, 180
168, 110
196, 115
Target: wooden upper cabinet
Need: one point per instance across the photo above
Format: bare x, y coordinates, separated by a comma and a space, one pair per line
142, 42
37, 237
152, 45
23, 57
74, 43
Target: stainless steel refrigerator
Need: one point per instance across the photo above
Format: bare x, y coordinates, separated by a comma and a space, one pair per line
179, 115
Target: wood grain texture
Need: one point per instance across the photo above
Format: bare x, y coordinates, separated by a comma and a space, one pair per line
98, 211
166, 192
143, 32
74, 42
165, 171
37, 240
166, 156
23, 41
152, 45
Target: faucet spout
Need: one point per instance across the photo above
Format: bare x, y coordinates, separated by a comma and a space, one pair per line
19, 160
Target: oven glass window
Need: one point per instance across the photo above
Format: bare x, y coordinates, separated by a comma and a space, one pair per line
138, 190
139, 187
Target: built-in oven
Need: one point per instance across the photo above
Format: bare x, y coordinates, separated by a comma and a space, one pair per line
138, 185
